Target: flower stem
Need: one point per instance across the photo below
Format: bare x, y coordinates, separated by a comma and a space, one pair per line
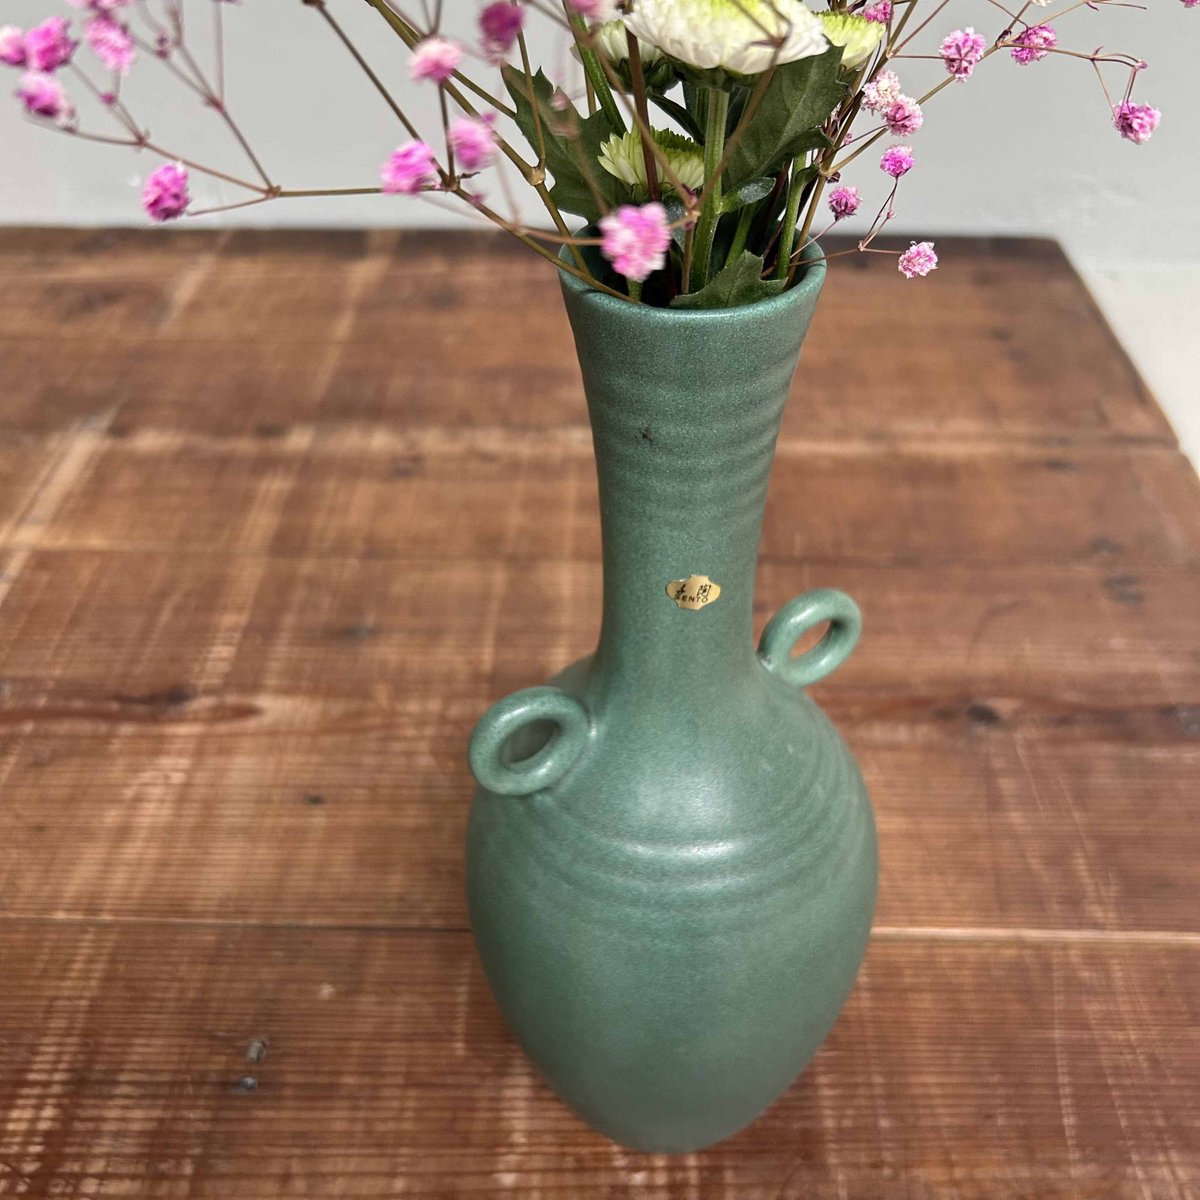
534, 174
548, 254
714, 152
787, 237
689, 248
745, 220
301, 193
214, 100
378, 84
410, 37
535, 107
638, 79
594, 69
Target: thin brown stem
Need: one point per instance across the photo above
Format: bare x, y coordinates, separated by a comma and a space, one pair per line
638, 79
556, 259
219, 40
539, 132
895, 45
304, 193
141, 143
444, 110
119, 113
378, 83
224, 208
410, 36
218, 105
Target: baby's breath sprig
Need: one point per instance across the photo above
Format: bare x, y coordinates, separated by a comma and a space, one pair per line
713, 134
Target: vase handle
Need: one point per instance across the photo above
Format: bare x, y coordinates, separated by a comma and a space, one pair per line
510, 716
794, 620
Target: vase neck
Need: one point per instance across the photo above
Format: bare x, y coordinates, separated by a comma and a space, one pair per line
685, 410
680, 499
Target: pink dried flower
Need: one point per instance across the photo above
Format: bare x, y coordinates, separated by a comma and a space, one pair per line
897, 161
500, 24
1136, 122
882, 92
844, 202
473, 141
904, 117
44, 96
636, 239
111, 43
881, 11
107, 7
1190, 3
435, 58
12, 46
411, 169
165, 194
918, 260
596, 10
48, 46
1033, 44
962, 52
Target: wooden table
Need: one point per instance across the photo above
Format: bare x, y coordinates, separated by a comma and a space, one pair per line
280, 514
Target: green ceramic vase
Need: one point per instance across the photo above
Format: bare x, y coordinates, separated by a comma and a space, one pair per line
671, 856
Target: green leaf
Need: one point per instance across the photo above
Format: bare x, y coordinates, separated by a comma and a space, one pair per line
749, 192
797, 102
572, 159
677, 111
737, 284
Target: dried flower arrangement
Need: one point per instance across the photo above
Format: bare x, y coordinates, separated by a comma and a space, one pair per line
767, 103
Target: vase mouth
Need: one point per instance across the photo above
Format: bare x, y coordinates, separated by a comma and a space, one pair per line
803, 292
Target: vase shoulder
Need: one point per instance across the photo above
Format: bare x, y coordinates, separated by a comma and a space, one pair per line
672, 930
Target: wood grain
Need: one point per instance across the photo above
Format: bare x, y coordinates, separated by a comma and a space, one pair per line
365, 491
346, 300
273, 533
176, 816
86, 626
231, 1061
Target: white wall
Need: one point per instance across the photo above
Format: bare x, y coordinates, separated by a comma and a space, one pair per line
1014, 150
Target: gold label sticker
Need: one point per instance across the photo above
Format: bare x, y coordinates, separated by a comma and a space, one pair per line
694, 592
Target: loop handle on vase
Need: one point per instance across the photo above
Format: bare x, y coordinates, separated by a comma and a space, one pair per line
794, 620
486, 754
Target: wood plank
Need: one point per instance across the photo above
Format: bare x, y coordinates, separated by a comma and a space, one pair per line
92, 253
424, 339
368, 491
191, 816
264, 388
213, 287
86, 628
183, 712
978, 303
25, 463
251, 488
216, 1062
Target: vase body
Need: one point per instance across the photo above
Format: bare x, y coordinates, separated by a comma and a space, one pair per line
671, 856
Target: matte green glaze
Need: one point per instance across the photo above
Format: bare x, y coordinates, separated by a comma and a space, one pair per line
672, 896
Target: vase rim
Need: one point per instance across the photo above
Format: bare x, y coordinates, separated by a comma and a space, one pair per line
805, 289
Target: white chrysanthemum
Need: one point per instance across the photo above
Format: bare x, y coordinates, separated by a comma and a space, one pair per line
622, 156
614, 45
857, 36
738, 36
